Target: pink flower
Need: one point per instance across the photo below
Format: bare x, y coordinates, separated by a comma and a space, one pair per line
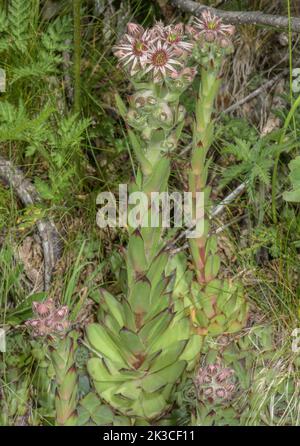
62, 312
211, 27
135, 30
174, 36
160, 61
43, 309
132, 51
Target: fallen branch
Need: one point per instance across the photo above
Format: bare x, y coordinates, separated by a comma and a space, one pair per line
256, 92
240, 17
217, 210
28, 195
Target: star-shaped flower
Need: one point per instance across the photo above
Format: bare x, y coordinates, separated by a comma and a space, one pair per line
211, 27
161, 61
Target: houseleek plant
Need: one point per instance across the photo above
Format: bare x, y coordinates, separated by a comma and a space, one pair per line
51, 324
216, 306
141, 344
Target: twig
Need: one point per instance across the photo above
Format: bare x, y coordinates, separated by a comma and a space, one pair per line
256, 92
166, 9
172, 249
217, 210
28, 195
240, 17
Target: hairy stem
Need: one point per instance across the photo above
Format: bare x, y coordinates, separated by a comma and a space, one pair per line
198, 175
77, 54
63, 358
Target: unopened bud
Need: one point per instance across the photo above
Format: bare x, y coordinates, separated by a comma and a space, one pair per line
209, 391
221, 392
210, 36
225, 43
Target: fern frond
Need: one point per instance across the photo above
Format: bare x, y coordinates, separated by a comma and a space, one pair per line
11, 114
241, 149
233, 172
16, 125
4, 45
262, 172
294, 194
244, 149
55, 38
19, 21
37, 69
4, 42
234, 150
71, 131
3, 21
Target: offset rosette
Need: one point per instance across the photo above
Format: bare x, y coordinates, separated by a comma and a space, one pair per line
215, 384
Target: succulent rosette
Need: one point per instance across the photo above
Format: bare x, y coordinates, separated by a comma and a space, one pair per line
215, 383
148, 337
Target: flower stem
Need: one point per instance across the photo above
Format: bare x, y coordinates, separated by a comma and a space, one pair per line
77, 54
275, 169
63, 358
202, 138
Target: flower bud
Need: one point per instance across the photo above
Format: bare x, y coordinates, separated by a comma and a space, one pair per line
230, 30
221, 392
62, 312
210, 36
142, 99
135, 120
212, 369
134, 29
164, 114
225, 42
151, 100
209, 391
181, 113
48, 323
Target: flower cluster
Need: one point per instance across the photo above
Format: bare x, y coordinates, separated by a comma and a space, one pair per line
215, 383
156, 53
212, 40
212, 29
49, 319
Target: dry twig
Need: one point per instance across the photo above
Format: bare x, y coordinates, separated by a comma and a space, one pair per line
28, 195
